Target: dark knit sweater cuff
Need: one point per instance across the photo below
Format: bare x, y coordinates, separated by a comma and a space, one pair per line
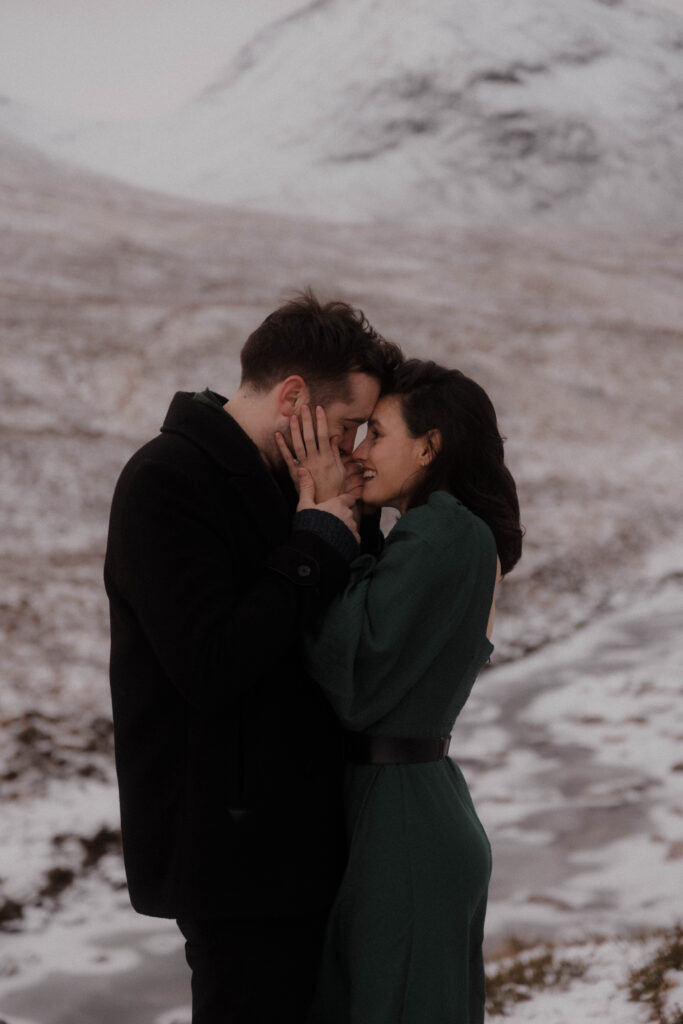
330, 529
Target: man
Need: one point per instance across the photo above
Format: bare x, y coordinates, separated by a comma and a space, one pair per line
228, 758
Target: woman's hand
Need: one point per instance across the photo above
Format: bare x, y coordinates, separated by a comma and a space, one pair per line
320, 456
339, 506
354, 485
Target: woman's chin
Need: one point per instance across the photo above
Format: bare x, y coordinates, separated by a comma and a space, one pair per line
372, 495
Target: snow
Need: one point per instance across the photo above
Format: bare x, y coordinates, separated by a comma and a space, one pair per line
596, 996
125, 60
460, 111
114, 298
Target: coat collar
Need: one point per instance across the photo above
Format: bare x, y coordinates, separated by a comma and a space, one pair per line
217, 434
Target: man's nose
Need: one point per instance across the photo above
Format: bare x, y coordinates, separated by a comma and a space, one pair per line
361, 451
345, 447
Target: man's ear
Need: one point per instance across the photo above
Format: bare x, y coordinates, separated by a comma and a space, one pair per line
430, 447
291, 395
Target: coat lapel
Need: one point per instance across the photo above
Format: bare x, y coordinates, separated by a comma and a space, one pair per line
217, 434
266, 506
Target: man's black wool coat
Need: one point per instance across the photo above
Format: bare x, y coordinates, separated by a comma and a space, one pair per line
228, 757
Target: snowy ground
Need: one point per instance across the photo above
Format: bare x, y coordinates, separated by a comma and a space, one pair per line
113, 299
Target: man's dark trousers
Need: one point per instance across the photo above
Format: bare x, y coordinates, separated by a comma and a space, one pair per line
228, 757
253, 972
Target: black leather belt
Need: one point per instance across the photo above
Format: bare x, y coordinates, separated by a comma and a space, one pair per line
362, 749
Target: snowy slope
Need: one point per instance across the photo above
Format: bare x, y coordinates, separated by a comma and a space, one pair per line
113, 299
452, 109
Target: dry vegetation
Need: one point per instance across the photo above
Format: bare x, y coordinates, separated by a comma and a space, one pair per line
651, 983
526, 970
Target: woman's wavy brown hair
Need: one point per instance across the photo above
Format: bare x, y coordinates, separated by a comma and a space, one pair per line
469, 462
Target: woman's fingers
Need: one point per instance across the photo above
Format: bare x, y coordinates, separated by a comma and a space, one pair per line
309, 432
353, 481
354, 487
339, 462
297, 440
285, 453
319, 454
324, 439
321, 426
353, 474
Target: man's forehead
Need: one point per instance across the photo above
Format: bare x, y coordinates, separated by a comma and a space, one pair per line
351, 412
357, 404
363, 398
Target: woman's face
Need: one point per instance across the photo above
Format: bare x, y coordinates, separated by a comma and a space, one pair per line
393, 462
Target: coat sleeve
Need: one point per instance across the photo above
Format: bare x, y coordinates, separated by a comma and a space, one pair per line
396, 614
213, 638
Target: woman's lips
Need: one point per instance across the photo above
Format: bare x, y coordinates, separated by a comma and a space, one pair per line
369, 474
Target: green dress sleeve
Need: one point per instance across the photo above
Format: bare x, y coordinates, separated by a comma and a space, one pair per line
398, 612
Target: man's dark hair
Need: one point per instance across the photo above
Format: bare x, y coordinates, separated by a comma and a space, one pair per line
323, 343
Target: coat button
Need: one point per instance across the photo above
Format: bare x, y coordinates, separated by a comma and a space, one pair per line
304, 570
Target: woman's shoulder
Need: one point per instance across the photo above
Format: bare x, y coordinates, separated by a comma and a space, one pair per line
441, 516
444, 521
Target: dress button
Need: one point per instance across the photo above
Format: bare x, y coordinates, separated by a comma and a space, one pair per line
304, 570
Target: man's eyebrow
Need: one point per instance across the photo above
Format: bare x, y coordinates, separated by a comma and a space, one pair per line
360, 420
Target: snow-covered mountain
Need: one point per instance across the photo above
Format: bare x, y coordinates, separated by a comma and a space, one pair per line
464, 110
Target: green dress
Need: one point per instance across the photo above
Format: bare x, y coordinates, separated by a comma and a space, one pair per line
397, 654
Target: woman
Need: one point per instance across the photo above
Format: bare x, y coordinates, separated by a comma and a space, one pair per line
397, 654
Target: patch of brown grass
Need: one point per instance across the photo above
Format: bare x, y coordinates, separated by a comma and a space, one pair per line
518, 977
650, 983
